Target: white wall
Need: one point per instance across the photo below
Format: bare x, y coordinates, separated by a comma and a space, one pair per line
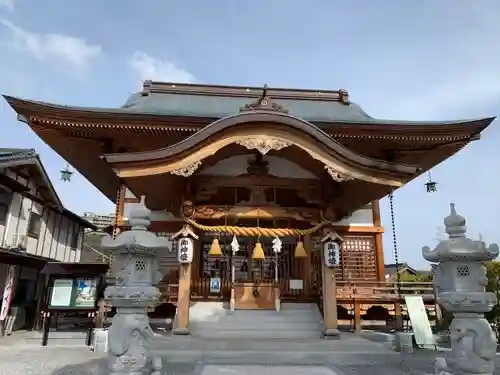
237, 165
360, 218
55, 238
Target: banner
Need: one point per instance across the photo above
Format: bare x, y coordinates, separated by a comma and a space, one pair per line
8, 292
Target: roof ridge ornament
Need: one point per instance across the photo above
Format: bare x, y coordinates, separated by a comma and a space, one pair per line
264, 103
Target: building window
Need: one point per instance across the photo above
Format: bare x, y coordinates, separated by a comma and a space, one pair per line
4, 210
74, 238
34, 225
5, 199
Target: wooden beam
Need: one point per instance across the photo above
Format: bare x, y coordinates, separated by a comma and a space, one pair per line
379, 247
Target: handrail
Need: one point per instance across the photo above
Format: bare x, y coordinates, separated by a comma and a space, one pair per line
363, 289
97, 251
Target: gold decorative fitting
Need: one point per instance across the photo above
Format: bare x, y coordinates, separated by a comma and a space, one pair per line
338, 176
258, 252
263, 145
300, 251
215, 249
188, 171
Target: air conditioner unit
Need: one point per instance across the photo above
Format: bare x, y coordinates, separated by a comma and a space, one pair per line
22, 242
13, 243
19, 241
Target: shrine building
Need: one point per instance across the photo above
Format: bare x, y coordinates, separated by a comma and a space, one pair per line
307, 167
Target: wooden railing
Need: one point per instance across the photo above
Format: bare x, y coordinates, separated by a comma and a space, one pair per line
200, 289
169, 292
383, 290
380, 291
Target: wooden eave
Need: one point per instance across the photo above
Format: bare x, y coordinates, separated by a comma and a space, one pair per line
81, 136
115, 120
294, 131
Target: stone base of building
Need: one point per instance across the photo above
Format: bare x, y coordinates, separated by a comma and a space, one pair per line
332, 333
180, 331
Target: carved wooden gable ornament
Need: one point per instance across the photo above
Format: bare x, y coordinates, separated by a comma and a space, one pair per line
264, 103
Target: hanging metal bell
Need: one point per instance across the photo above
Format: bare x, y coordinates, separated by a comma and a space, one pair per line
215, 249
300, 251
258, 252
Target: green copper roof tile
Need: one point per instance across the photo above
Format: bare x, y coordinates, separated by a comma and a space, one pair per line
214, 106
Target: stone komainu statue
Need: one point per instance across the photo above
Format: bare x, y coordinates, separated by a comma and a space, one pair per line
129, 346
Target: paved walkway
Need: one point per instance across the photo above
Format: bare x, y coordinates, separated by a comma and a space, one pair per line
20, 359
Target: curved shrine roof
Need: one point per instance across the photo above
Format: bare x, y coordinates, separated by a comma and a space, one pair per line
213, 106
214, 102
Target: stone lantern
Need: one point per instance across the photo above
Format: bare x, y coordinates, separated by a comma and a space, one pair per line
135, 268
460, 281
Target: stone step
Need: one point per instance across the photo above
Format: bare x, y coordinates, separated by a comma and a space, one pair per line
298, 306
274, 318
261, 334
266, 358
256, 324
237, 357
294, 321
189, 349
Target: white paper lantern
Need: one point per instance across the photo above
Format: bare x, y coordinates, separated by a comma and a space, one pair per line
185, 250
331, 253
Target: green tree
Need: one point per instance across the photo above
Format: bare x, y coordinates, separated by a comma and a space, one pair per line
493, 286
419, 277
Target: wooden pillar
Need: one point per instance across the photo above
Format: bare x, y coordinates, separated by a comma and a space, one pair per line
379, 249
181, 321
306, 265
398, 315
357, 316
197, 256
329, 301
119, 209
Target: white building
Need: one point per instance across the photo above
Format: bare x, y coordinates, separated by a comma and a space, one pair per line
34, 228
100, 221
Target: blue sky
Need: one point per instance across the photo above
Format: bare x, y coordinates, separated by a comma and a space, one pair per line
425, 60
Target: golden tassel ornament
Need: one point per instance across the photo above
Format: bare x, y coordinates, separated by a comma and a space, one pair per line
300, 251
215, 249
258, 252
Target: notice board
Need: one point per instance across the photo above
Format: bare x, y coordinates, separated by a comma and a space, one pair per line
420, 322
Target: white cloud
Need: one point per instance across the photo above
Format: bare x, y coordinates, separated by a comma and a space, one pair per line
54, 49
9, 4
466, 96
147, 67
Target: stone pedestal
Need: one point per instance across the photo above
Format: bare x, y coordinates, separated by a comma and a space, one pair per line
332, 333
404, 342
460, 281
136, 271
100, 340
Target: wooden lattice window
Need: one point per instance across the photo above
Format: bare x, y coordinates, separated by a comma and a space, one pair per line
358, 259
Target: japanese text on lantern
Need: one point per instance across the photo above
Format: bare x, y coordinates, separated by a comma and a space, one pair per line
331, 252
185, 250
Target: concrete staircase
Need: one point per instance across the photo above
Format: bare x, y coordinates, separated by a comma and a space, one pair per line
213, 320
